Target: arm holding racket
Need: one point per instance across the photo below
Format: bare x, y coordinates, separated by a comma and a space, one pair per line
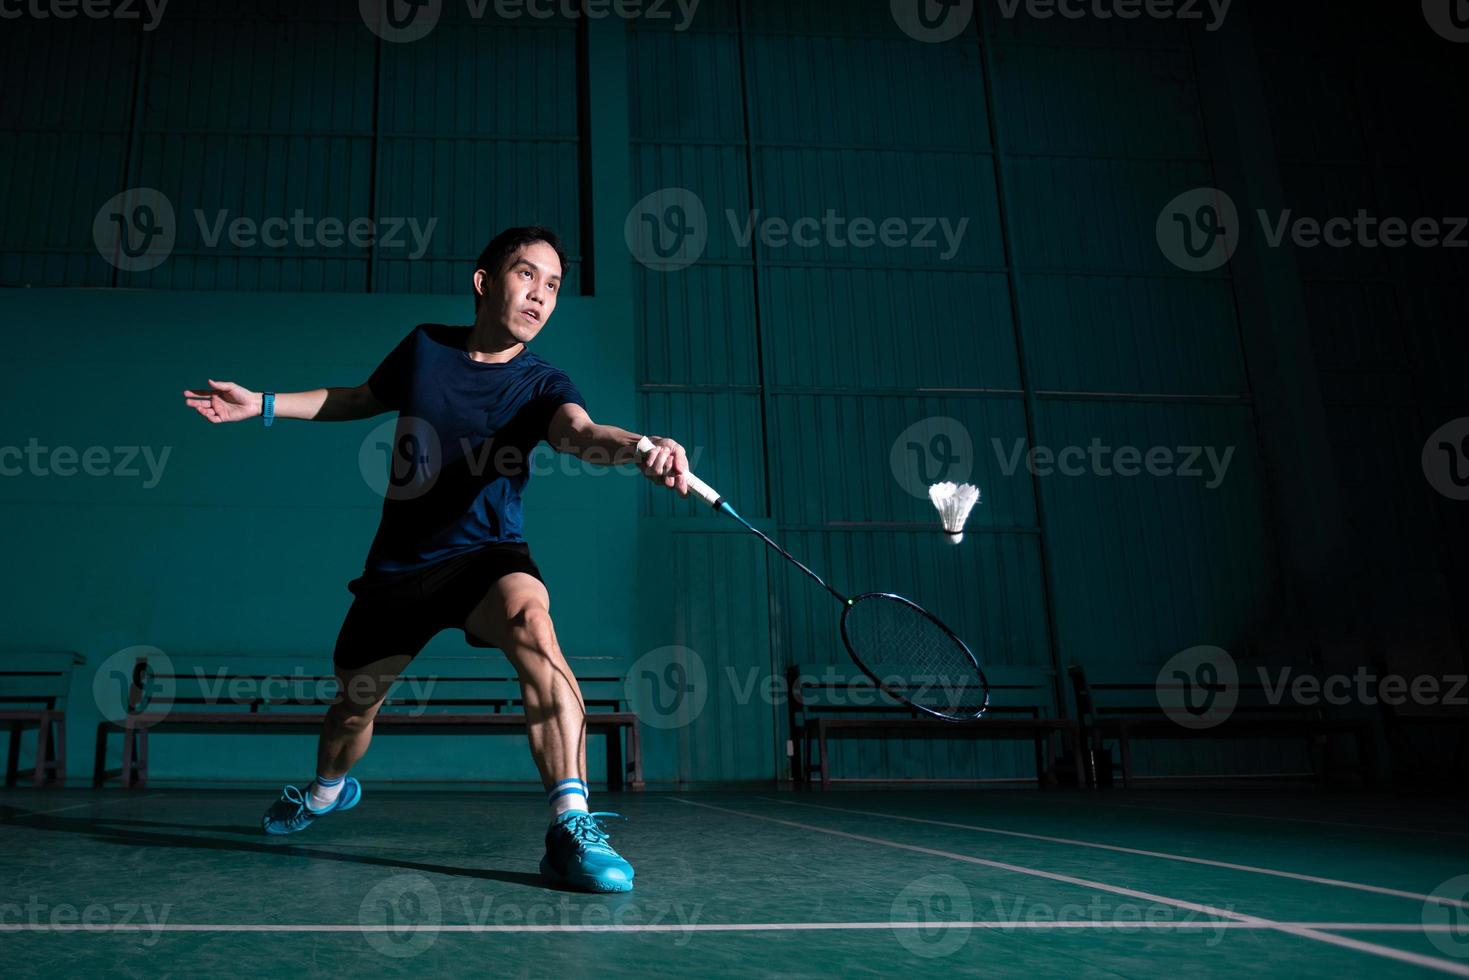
571, 430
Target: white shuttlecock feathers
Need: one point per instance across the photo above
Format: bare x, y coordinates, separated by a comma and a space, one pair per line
954, 502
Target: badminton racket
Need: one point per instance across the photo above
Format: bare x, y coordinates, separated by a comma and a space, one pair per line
903, 648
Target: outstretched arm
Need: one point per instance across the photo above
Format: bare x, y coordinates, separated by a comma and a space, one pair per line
573, 431
229, 402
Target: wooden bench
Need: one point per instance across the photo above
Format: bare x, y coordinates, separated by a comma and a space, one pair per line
827, 702
33, 689
1121, 707
471, 698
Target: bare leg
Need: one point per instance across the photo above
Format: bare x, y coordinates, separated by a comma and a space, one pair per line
515, 616
347, 728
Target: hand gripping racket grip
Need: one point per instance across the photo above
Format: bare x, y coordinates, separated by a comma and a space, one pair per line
698, 486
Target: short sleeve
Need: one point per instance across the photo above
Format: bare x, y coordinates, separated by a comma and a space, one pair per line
557, 390
389, 383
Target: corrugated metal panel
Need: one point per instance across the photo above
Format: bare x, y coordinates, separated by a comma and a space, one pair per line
267, 112
1098, 101
721, 431
825, 327
1151, 564
63, 144
987, 590
855, 457
715, 593
1168, 336
865, 91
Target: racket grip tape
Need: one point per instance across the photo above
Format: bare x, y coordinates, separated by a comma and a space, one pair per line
696, 485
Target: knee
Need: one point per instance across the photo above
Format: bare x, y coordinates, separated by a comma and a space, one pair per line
533, 631
353, 718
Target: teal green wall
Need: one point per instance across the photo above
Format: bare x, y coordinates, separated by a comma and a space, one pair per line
790, 373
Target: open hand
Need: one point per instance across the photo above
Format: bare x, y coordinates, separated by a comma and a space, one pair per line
225, 402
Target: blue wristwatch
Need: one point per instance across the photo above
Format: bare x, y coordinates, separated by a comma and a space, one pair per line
268, 409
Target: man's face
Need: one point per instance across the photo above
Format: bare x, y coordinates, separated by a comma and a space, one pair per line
522, 298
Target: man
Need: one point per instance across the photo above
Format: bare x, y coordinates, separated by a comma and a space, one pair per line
449, 552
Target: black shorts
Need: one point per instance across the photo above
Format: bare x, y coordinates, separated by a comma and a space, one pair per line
398, 614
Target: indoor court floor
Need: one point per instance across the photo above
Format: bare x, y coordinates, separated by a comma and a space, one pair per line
855, 883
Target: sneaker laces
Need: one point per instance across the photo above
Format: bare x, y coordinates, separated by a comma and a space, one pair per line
587, 830
293, 795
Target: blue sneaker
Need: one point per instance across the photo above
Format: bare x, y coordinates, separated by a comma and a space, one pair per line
578, 855
290, 813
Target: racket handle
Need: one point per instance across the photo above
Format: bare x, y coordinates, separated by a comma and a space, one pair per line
698, 486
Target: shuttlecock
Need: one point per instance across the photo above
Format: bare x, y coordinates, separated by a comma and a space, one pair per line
954, 501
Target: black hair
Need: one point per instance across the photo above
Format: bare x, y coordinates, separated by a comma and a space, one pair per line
505, 244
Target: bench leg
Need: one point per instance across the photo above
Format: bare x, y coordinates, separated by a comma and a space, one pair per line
43, 750
614, 760
142, 758
128, 742
58, 764
12, 759
99, 758
824, 758
635, 754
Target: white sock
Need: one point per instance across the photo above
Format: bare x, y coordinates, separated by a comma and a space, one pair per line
566, 796
324, 792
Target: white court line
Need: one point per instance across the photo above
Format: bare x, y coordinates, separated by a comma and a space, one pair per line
1121, 925
1429, 962
1228, 865
1268, 816
131, 799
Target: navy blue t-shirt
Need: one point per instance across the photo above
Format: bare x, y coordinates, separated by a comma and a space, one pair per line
460, 454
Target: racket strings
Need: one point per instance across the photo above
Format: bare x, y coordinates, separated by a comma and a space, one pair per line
914, 658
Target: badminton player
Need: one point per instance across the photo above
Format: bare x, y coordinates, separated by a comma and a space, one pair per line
449, 551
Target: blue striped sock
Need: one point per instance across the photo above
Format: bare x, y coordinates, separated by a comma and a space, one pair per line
567, 796
324, 791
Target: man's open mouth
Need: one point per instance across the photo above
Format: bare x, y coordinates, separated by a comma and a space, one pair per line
531, 315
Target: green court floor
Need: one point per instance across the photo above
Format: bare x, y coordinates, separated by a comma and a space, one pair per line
1048, 884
